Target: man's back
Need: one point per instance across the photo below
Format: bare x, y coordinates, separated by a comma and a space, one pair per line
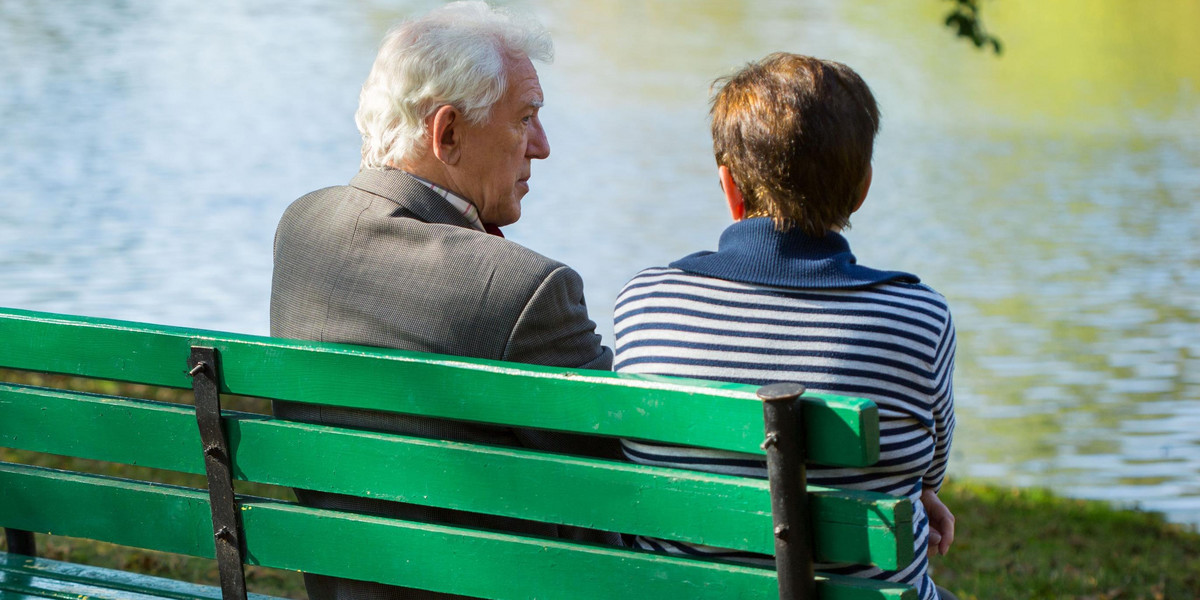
387, 262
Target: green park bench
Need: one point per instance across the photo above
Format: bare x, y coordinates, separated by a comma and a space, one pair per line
799, 524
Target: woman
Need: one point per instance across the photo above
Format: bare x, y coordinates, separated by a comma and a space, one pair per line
783, 298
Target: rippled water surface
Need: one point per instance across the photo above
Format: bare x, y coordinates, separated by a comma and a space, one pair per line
148, 148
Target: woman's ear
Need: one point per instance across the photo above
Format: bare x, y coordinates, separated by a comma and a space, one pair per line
444, 135
733, 196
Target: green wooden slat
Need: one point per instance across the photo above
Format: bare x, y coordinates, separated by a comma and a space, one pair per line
45, 578
484, 564
158, 517
419, 555
836, 587
108, 428
689, 412
39, 595
861, 527
857, 544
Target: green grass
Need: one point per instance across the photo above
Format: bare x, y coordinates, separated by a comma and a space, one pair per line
1029, 544
1010, 543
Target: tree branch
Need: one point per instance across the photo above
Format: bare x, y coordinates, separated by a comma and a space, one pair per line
965, 21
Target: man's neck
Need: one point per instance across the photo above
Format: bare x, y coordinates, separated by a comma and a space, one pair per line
430, 171
462, 205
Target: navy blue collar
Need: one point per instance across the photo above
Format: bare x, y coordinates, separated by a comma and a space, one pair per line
752, 251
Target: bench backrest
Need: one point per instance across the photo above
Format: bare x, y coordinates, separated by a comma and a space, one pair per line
717, 510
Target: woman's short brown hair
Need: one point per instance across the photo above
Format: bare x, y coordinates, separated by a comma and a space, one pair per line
797, 133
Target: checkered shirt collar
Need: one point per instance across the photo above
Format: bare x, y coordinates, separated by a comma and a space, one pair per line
463, 205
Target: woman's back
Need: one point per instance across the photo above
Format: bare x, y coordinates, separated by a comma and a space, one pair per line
892, 343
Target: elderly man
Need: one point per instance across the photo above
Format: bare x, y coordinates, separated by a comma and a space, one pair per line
409, 255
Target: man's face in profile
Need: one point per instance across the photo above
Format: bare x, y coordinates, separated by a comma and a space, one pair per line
498, 154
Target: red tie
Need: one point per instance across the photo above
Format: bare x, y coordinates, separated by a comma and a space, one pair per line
492, 229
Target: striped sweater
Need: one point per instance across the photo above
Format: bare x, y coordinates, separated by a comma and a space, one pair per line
810, 315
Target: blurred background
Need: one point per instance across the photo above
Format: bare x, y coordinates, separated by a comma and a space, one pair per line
147, 150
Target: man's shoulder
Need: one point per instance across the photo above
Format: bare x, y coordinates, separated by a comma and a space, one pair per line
350, 231
495, 244
505, 257
317, 206
379, 220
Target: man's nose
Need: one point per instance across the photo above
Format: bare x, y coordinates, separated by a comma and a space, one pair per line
539, 145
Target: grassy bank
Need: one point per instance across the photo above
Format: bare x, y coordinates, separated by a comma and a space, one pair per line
1030, 544
1010, 543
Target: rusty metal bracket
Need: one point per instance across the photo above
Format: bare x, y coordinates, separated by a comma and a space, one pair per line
784, 445
227, 524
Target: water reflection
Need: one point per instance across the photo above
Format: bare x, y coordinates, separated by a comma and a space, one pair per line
149, 148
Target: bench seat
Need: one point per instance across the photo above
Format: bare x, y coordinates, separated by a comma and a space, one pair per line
29, 578
719, 510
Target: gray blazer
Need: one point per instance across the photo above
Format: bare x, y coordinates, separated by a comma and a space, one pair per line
387, 262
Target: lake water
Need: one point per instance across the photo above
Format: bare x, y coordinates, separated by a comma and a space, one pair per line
147, 150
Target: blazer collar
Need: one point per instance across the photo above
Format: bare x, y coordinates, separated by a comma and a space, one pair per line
416, 197
752, 251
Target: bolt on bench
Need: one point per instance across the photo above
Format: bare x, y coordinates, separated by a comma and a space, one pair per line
798, 524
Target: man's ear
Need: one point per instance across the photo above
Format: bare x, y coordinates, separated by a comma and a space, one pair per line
733, 196
866, 187
444, 134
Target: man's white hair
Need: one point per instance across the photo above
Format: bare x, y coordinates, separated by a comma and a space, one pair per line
455, 55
